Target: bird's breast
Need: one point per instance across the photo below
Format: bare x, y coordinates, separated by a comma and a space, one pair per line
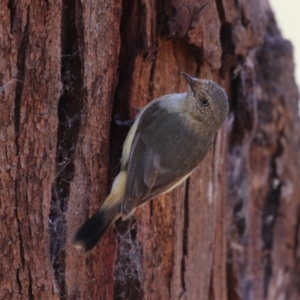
179, 144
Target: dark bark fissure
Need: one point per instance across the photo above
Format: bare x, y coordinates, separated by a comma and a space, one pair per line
151, 211
19, 281
225, 37
128, 52
128, 270
185, 236
237, 199
228, 58
270, 214
47, 4
30, 284
199, 59
70, 108
235, 138
12, 8
296, 252
127, 286
297, 237
220, 9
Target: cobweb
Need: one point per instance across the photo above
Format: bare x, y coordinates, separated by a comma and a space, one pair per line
128, 272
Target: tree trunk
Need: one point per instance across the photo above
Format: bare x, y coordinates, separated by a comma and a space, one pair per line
67, 69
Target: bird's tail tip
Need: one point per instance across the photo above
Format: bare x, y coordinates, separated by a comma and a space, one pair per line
88, 235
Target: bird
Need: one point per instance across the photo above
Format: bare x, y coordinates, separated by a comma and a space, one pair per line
168, 139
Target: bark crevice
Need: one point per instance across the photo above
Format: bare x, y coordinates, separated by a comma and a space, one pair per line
185, 236
221, 11
12, 6
30, 284
228, 58
270, 214
70, 108
297, 237
130, 46
129, 248
18, 279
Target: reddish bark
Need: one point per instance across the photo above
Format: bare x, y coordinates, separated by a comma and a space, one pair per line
67, 69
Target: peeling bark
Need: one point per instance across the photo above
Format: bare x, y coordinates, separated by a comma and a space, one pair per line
68, 69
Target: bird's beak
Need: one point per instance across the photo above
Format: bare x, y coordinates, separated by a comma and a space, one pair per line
191, 81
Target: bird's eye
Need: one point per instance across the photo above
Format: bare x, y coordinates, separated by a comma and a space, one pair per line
204, 102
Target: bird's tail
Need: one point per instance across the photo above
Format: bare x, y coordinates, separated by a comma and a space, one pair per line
88, 235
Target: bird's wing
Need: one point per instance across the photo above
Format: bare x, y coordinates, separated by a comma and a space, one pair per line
147, 176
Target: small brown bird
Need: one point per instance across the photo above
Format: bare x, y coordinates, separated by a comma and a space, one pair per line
169, 138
